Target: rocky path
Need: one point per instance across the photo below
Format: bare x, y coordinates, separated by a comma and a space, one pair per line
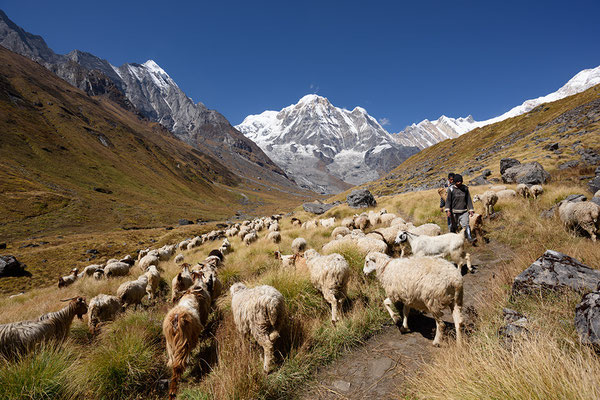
379, 368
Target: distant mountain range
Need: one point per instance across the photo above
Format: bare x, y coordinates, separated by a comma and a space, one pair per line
325, 148
148, 90
427, 133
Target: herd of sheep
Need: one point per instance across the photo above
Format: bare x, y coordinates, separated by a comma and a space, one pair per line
424, 281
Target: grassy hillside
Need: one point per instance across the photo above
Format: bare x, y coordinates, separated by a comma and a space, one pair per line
128, 358
573, 123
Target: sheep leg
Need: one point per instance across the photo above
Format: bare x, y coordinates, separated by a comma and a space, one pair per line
468, 259
439, 329
389, 306
268, 352
405, 312
330, 298
458, 321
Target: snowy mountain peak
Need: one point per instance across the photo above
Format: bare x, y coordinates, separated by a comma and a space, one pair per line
325, 148
427, 133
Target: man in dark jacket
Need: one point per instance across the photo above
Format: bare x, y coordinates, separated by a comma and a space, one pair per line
459, 204
448, 185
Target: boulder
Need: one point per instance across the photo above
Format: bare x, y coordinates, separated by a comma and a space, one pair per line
184, 221
531, 174
317, 208
596, 200
594, 184
507, 163
597, 171
478, 181
555, 271
9, 266
515, 325
575, 198
486, 172
568, 164
587, 319
361, 198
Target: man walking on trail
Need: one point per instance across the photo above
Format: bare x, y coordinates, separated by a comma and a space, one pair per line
459, 205
443, 197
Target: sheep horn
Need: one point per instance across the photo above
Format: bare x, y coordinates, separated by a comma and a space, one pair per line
72, 298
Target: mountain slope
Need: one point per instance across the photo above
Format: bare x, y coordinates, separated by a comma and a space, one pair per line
148, 89
323, 147
561, 135
73, 163
427, 133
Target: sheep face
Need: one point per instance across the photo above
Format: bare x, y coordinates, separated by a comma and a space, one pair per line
370, 264
476, 198
402, 237
81, 307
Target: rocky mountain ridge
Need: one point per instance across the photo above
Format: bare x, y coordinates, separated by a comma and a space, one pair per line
148, 90
325, 148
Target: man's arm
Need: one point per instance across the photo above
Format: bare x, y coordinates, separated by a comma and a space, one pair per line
470, 203
448, 202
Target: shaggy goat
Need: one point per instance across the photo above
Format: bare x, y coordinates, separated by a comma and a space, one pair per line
287, 260
427, 284
181, 282
182, 328
116, 269
250, 238
102, 308
153, 281
261, 313
330, 275
19, 338
449, 244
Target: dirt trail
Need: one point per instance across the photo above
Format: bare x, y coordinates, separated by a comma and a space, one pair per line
379, 368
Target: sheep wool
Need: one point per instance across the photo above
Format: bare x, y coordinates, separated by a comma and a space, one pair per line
330, 275
261, 313
583, 214
428, 284
298, 245
102, 308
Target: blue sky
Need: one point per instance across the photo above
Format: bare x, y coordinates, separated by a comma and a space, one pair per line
402, 61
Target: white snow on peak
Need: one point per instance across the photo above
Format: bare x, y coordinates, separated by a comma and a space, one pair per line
427, 133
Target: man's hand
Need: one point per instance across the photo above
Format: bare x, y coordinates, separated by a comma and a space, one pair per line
470, 213
448, 213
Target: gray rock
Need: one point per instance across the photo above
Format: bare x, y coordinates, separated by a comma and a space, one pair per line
342, 386
184, 221
595, 200
597, 171
575, 198
568, 164
480, 180
594, 184
317, 208
551, 146
587, 319
507, 163
9, 266
361, 198
556, 271
486, 172
531, 173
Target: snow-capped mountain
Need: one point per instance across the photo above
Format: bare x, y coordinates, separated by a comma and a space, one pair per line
148, 90
427, 133
323, 147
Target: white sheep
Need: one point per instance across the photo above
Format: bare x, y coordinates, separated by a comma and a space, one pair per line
428, 284
298, 245
274, 237
362, 222
368, 244
489, 200
19, 338
250, 238
310, 225
132, 292
274, 227
152, 258
397, 221
179, 258
68, 280
329, 274
374, 218
328, 222
449, 244
99, 274
348, 222
183, 244
296, 222
116, 269
523, 190
506, 194
497, 188
153, 281
426, 229
340, 231
583, 214
142, 253
244, 230
102, 308
182, 328
387, 218
90, 270
536, 191
259, 312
